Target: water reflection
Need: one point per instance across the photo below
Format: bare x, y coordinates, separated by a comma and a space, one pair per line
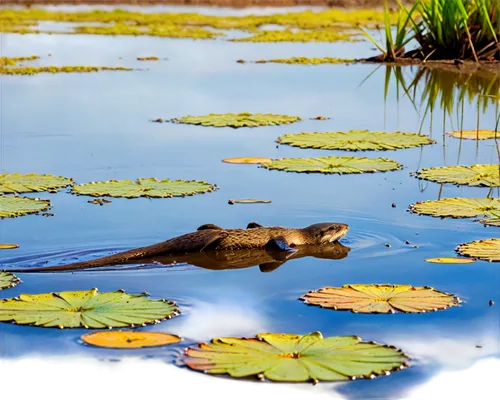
268, 260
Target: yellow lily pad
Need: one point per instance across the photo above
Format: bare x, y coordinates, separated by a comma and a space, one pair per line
474, 175
458, 207
488, 250
18, 206
481, 134
334, 165
129, 339
8, 246
299, 36
450, 260
87, 309
381, 298
305, 60
8, 280
22, 183
143, 187
355, 140
244, 119
247, 160
294, 358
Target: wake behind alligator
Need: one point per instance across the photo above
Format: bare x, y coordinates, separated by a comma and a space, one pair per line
210, 238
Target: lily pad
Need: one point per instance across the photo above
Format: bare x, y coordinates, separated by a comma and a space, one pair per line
248, 201
244, 119
87, 309
143, 187
491, 221
247, 160
381, 298
488, 250
7, 280
129, 339
355, 140
8, 246
474, 175
295, 358
20, 183
307, 60
17, 206
458, 207
481, 134
450, 260
334, 165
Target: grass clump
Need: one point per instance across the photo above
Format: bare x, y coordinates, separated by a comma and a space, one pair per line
444, 30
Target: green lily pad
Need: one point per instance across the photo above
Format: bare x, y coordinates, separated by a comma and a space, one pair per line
295, 358
458, 207
20, 183
17, 206
355, 140
334, 165
143, 187
7, 280
474, 175
299, 36
88, 309
488, 250
243, 119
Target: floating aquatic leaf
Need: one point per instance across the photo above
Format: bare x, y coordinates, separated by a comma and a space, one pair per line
450, 260
295, 358
458, 207
491, 221
88, 309
56, 70
20, 183
333, 165
244, 119
8, 246
17, 206
381, 298
247, 160
355, 140
7, 280
480, 134
299, 36
248, 201
143, 187
152, 58
305, 60
474, 175
488, 250
129, 339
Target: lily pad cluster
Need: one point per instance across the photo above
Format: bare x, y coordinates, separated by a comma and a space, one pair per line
11, 206
243, 119
355, 140
474, 175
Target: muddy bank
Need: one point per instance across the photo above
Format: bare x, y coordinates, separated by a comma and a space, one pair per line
216, 3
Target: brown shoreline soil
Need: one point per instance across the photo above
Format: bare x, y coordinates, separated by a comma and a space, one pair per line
451, 65
212, 3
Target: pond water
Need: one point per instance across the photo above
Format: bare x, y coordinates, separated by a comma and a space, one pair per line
96, 127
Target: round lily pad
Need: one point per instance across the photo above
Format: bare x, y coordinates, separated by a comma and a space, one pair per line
488, 250
20, 183
334, 165
355, 140
129, 339
7, 280
244, 119
474, 175
458, 207
88, 309
481, 134
143, 187
17, 206
295, 358
381, 298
